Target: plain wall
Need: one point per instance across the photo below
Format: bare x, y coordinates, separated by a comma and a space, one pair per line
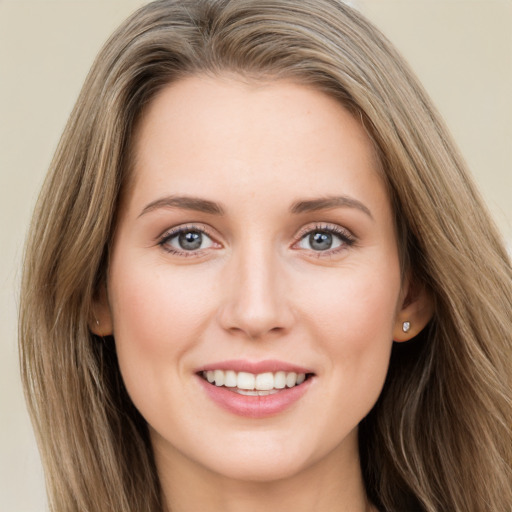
461, 50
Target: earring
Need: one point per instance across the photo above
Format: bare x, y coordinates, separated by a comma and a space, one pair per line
406, 326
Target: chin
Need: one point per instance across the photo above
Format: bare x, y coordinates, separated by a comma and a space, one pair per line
267, 458
260, 469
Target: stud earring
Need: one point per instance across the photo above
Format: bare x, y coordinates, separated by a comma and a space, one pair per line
406, 326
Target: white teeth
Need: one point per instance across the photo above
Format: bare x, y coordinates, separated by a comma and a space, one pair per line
219, 377
245, 380
230, 379
280, 380
254, 385
264, 381
253, 392
291, 380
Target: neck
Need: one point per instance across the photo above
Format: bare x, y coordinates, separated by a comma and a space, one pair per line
334, 484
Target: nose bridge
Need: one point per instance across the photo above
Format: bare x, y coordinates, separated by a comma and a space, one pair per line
256, 301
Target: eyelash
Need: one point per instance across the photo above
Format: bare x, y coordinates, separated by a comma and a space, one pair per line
169, 235
347, 238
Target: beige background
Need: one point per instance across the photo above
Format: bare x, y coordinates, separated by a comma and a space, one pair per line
461, 49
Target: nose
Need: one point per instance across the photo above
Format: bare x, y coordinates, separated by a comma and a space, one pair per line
256, 302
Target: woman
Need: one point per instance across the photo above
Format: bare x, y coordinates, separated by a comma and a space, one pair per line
250, 202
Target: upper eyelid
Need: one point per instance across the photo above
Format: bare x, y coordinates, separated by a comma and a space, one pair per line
163, 241
301, 233
346, 236
170, 232
334, 228
327, 226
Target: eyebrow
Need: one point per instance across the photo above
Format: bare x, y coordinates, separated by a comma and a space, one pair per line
327, 203
206, 206
185, 202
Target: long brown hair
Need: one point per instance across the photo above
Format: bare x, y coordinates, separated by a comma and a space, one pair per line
439, 438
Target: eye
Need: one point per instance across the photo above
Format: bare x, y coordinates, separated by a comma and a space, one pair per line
186, 240
325, 239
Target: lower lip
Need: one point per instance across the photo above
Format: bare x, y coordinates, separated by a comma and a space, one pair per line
255, 406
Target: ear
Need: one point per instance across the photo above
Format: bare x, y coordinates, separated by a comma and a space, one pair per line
101, 321
416, 309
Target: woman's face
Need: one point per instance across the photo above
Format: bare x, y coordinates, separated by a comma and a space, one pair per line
255, 242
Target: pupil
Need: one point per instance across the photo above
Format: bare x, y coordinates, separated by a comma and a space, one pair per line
190, 240
320, 241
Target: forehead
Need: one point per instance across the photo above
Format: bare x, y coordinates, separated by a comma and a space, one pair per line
203, 129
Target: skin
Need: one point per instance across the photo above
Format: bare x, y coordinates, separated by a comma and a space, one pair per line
256, 289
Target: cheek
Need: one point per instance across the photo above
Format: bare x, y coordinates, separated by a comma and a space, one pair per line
153, 305
352, 303
158, 316
352, 319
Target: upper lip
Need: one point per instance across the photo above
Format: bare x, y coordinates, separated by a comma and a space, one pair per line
255, 367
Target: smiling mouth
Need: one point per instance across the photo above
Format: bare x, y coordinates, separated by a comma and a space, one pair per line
250, 384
